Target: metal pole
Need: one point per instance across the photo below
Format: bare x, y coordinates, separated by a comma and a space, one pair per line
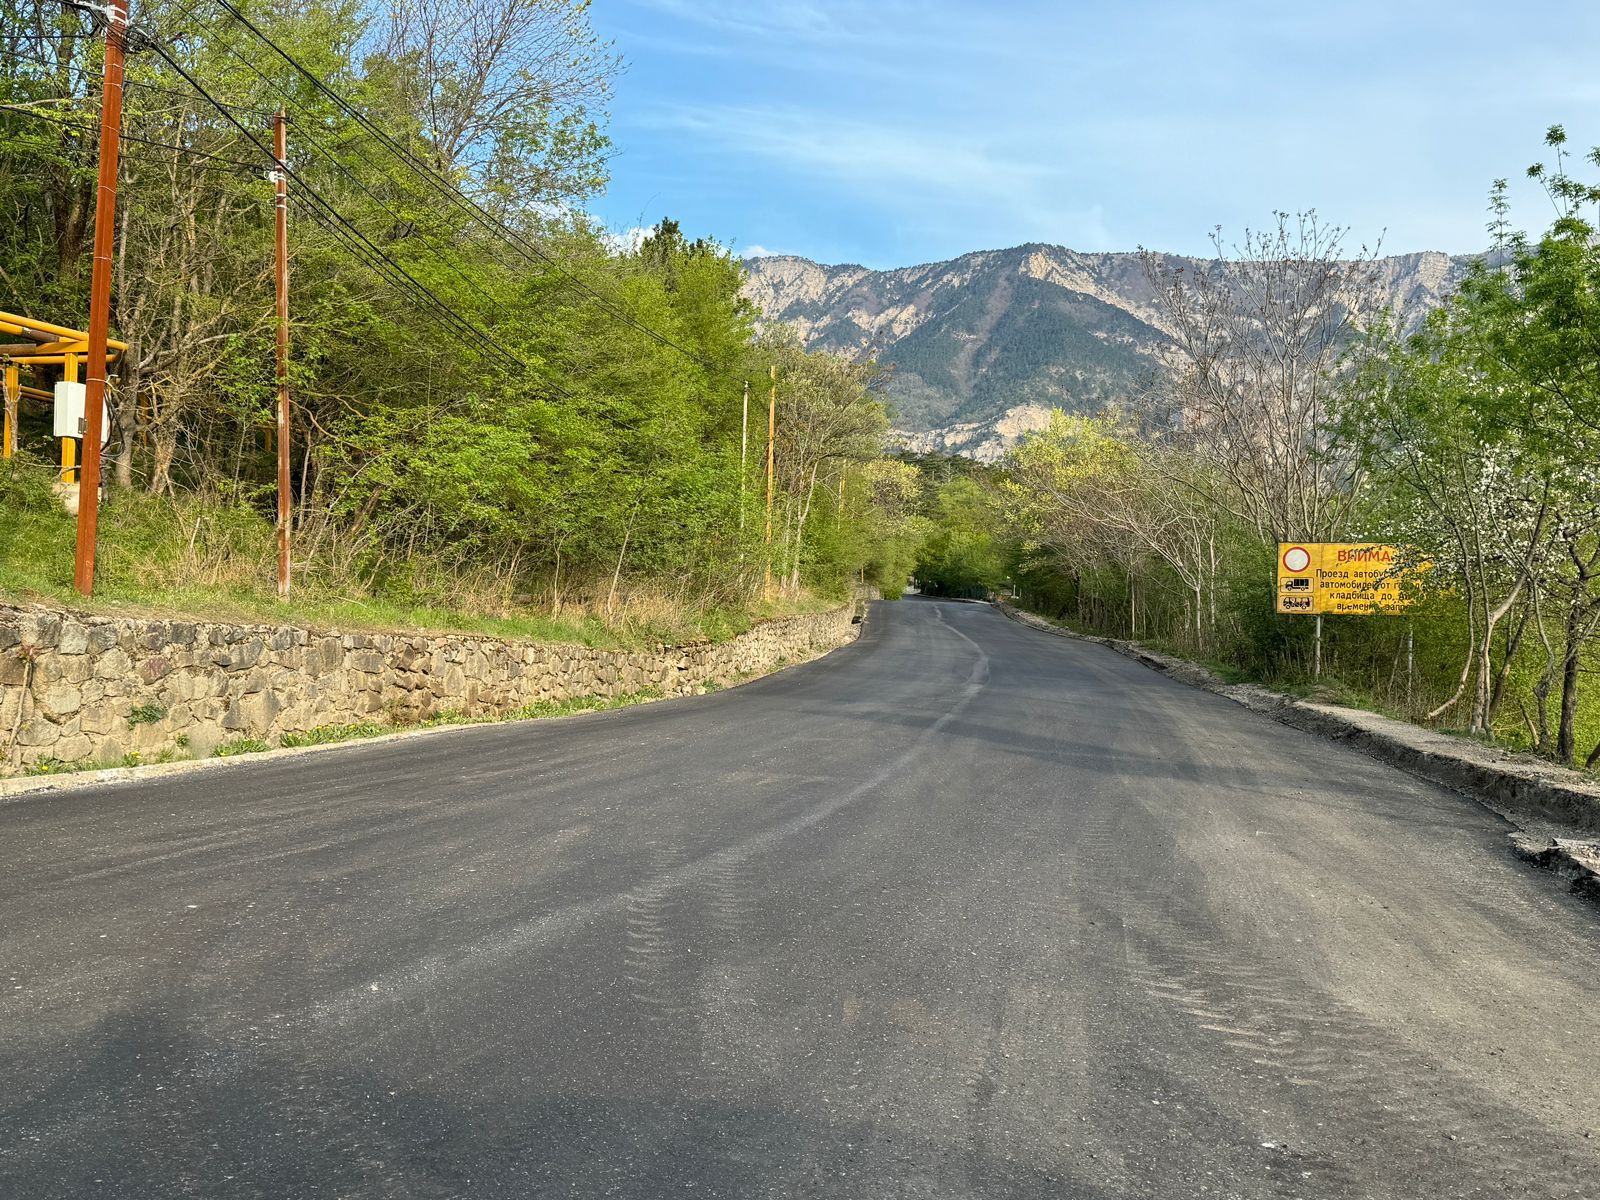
280, 203
105, 219
772, 437
1316, 671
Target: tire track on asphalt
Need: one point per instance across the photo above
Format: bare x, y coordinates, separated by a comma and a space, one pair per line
559, 924
650, 948
1415, 1120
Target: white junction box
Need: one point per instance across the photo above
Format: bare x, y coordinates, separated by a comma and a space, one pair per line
69, 417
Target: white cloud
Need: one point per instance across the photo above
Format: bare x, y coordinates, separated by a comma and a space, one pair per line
628, 240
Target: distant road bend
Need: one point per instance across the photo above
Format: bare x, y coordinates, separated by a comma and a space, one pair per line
962, 910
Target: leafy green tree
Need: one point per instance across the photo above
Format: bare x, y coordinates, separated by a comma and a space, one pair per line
964, 555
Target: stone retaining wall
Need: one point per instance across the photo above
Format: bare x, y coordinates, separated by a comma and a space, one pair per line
81, 688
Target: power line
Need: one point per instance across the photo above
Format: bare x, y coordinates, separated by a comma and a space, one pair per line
383, 266
37, 115
323, 150
321, 209
393, 215
455, 195
428, 173
179, 93
333, 159
417, 287
386, 269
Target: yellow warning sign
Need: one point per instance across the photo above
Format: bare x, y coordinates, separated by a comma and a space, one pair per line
1344, 577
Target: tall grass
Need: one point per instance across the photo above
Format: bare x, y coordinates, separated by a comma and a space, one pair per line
207, 556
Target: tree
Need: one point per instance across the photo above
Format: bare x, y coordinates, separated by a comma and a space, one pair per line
1487, 423
829, 419
1260, 339
503, 93
963, 554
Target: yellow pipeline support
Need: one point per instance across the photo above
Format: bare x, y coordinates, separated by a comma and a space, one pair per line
8, 433
69, 446
54, 346
12, 323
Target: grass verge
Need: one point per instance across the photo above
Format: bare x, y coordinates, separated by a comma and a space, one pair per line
198, 558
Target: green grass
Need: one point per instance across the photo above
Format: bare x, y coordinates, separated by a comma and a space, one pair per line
322, 735
582, 704
146, 714
55, 766
327, 735
1225, 671
189, 557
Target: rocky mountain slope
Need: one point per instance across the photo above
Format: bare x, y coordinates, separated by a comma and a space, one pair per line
986, 344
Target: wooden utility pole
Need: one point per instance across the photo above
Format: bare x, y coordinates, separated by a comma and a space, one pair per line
280, 204
772, 438
105, 220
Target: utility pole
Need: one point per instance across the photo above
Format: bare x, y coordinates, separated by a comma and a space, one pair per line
280, 204
744, 448
105, 210
772, 438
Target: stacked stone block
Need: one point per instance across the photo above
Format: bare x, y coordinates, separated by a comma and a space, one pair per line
79, 688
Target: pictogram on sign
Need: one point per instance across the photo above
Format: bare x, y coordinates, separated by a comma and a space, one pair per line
1347, 577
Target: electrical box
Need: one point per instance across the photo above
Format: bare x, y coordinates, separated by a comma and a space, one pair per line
71, 399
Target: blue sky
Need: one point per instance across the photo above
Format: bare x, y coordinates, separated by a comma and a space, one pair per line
892, 132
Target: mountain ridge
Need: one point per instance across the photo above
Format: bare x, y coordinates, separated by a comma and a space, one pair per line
985, 344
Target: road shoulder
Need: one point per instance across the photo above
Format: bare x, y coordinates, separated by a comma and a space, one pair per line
1555, 811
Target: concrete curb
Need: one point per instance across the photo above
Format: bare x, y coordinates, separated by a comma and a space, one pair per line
1556, 810
16, 787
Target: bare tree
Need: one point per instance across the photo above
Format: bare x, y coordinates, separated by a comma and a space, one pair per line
191, 285
1260, 340
1089, 489
502, 90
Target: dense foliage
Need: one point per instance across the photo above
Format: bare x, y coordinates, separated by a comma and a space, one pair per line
1295, 413
493, 397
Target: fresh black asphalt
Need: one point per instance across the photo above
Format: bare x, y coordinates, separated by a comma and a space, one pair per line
960, 910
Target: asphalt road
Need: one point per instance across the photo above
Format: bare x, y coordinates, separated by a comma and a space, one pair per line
962, 910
